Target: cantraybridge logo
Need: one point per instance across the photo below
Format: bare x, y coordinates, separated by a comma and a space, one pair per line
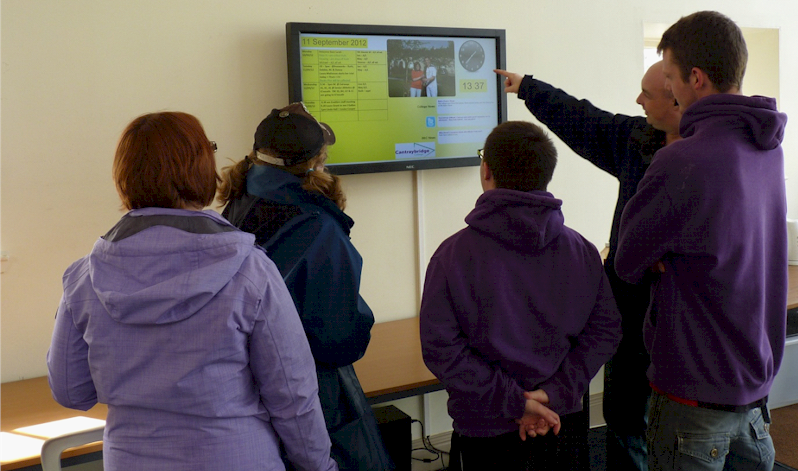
414, 150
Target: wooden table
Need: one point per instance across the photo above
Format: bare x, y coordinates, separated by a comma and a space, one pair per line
392, 367
29, 402
792, 290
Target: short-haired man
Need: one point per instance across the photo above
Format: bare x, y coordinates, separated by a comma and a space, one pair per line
516, 311
622, 146
430, 78
709, 218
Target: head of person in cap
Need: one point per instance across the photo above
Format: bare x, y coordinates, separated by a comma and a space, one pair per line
292, 140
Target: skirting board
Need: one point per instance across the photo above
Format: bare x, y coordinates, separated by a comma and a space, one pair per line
596, 414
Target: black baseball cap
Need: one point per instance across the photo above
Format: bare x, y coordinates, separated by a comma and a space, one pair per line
293, 134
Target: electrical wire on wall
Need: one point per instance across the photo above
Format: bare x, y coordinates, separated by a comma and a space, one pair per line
433, 453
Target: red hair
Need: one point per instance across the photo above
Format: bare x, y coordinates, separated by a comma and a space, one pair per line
165, 160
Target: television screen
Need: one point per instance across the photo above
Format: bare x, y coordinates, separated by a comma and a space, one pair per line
399, 97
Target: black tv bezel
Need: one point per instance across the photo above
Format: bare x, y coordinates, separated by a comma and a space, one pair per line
293, 31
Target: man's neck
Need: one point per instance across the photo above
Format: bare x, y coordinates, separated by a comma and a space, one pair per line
712, 90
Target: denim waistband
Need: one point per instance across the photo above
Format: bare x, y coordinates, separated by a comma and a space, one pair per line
760, 403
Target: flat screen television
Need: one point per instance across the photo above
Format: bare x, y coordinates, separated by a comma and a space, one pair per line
399, 97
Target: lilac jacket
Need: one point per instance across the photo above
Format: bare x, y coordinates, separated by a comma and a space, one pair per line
512, 303
712, 208
186, 330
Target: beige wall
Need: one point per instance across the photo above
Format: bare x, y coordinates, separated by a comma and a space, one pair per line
74, 73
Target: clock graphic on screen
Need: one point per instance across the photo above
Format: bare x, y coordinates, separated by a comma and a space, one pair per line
472, 56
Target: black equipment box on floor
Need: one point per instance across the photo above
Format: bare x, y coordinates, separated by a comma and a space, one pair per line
395, 429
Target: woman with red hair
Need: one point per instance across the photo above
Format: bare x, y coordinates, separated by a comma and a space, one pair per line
183, 326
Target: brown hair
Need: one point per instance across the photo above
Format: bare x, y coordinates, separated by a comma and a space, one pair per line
234, 177
711, 42
165, 160
521, 156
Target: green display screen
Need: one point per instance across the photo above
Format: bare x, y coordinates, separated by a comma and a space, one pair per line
398, 98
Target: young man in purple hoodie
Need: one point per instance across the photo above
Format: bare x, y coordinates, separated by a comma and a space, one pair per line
709, 217
517, 311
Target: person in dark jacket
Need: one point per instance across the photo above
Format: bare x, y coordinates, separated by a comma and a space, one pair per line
622, 146
710, 215
281, 193
517, 313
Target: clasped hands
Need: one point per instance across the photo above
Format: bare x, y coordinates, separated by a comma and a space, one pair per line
537, 419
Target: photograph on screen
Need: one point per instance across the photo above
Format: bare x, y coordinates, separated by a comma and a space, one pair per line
420, 68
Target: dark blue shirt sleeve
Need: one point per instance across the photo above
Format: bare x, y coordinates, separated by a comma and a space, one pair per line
596, 135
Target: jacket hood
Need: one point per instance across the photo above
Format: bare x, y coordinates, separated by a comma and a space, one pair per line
757, 116
282, 187
170, 265
524, 221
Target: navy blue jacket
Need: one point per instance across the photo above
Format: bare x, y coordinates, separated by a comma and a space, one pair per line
622, 146
310, 246
307, 237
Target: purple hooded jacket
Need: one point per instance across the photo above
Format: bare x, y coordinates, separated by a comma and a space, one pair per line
712, 208
512, 303
186, 330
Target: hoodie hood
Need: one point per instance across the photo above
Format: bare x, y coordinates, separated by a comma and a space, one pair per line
167, 265
757, 117
281, 187
524, 221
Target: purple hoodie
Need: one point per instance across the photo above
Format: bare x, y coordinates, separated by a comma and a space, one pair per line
712, 208
513, 303
186, 330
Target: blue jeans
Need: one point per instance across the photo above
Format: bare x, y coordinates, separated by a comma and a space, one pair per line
687, 438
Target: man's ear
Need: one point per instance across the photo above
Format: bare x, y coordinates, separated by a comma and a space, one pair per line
486, 177
700, 80
487, 174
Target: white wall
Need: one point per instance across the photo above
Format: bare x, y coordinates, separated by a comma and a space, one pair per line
75, 73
